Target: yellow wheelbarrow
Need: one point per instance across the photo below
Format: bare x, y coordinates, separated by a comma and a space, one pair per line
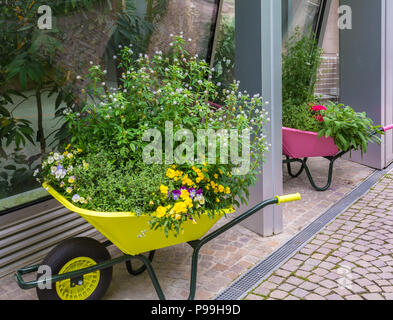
81, 268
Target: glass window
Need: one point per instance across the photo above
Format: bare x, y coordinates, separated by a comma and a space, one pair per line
45, 49
302, 14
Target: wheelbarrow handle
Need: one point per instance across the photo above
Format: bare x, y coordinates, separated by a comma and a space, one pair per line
289, 198
387, 128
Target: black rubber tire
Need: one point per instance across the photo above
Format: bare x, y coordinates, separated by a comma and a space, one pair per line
70, 249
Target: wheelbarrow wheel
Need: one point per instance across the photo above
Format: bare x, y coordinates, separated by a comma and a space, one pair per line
71, 255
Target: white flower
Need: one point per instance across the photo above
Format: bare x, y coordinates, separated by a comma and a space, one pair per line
105, 72
36, 172
103, 83
51, 160
114, 57
91, 62
78, 77
76, 198
57, 156
189, 39
107, 116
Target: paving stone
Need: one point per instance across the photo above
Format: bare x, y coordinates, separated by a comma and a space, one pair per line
309, 286
327, 265
334, 297
262, 291
388, 289
282, 273
300, 293
278, 294
353, 297
388, 296
312, 262
314, 297
373, 288
294, 281
315, 278
372, 296
329, 284
276, 279
254, 297
286, 287
320, 272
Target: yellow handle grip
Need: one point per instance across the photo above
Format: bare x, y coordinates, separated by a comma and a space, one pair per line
289, 198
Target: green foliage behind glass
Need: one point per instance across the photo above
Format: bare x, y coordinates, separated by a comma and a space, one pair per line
301, 60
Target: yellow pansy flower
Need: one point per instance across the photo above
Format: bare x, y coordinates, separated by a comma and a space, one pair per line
161, 211
164, 189
184, 195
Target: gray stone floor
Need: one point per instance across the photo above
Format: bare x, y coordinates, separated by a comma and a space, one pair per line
230, 255
351, 259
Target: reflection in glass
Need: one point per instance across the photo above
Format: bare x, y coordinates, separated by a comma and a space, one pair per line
302, 14
41, 71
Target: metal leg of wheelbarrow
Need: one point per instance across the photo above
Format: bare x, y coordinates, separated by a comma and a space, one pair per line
305, 167
288, 162
197, 245
140, 269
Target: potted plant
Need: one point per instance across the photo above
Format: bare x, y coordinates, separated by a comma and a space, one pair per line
311, 129
142, 148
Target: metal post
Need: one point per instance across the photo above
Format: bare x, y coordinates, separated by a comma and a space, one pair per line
258, 68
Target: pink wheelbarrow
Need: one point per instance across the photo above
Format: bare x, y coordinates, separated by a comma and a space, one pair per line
299, 146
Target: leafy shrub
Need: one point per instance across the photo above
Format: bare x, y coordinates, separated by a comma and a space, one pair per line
300, 117
349, 129
300, 62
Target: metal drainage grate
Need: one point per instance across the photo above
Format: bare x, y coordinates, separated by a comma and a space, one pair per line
251, 279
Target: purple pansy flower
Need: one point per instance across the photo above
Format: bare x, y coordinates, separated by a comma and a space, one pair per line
192, 192
176, 194
199, 192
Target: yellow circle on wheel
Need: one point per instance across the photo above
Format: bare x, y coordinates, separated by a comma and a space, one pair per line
78, 292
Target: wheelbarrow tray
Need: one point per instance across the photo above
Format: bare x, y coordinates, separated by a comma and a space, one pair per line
305, 144
132, 234
299, 145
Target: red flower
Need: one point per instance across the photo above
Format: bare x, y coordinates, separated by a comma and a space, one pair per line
317, 109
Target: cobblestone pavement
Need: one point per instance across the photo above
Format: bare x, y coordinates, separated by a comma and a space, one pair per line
232, 254
351, 259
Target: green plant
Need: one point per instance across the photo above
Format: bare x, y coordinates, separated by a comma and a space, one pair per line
349, 129
300, 117
224, 57
106, 168
300, 62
